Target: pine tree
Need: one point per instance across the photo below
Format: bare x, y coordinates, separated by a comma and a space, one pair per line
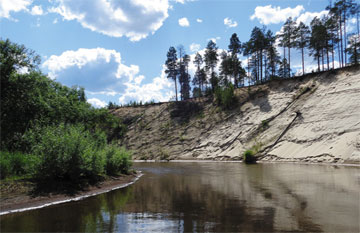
284, 69
318, 40
354, 48
183, 73
235, 50
302, 40
255, 47
289, 36
200, 79
211, 59
271, 55
172, 67
226, 68
184, 77
198, 61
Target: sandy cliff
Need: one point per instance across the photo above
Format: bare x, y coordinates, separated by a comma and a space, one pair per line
315, 118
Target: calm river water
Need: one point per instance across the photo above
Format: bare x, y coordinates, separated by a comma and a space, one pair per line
212, 197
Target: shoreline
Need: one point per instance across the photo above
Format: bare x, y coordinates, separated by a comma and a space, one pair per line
14, 205
238, 161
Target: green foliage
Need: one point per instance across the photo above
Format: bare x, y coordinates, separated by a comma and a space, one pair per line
32, 99
117, 160
67, 152
264, 124
249, 156
17, 164
163, 154
225, 96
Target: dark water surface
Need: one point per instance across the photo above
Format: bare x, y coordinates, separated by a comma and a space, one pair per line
207, 196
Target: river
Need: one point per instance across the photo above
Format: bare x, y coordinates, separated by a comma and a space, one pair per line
211, 197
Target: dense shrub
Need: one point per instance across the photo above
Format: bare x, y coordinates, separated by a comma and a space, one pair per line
17, 164
67, 152
225, 96
249, 157
117, 160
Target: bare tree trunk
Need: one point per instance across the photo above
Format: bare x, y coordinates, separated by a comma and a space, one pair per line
333, 55
339, 54
248, 60
327, 55
322, 58
318, 58
341, 43
345, 37
176, 89
261, 66
289, 60
302, 57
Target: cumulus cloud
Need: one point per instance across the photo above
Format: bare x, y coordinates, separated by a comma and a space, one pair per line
273, 15
8, 6
184, 22
230, 23
308, 16
36, 10
160, 89
199, 20
96, 102
102, 73
135, 19
194, 47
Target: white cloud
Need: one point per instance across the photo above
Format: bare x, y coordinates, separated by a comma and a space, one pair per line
214, 39
184, 22
194, 47
8, 6
36, 10
351, 25
183, 1
102, 73
268, 14
135, 19
160, 89
230, 23
199, 20
55, 21
96, 102
308, 16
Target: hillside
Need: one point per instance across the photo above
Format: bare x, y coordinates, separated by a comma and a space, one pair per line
314, 118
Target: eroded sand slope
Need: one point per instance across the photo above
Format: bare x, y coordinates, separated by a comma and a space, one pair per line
313, 119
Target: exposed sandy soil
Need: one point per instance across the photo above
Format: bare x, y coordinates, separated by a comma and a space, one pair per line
17, 196
315, 118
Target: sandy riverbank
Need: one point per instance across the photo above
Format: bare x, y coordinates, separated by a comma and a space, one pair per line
18, 200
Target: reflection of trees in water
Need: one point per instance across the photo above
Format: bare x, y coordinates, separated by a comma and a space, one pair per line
210, 197
91, 215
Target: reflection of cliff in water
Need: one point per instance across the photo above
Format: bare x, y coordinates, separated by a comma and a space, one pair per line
219, 197
252, 198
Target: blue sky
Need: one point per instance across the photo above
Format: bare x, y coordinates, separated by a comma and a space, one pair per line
116, 49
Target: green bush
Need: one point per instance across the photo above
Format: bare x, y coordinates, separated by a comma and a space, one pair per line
249, 156
225, 96
118, 160
67, 152
265, 124
17, 164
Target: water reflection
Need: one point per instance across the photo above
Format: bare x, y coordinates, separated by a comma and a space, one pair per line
215, 197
